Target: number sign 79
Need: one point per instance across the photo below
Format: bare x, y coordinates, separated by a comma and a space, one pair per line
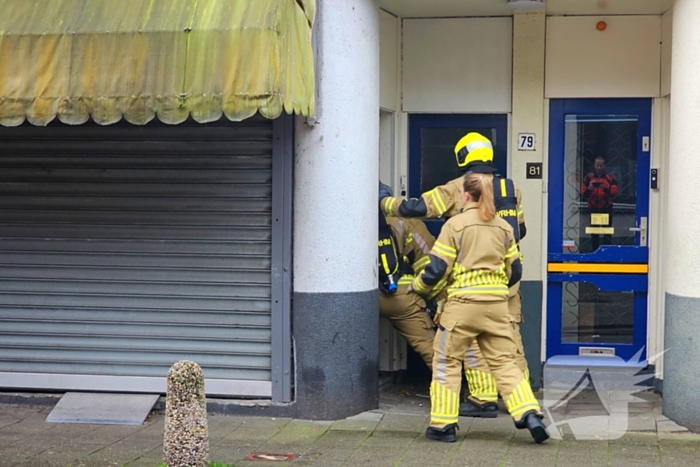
526, 142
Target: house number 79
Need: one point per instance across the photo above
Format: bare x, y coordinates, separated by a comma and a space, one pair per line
526, 142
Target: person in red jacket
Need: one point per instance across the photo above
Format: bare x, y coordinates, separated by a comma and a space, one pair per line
598, 189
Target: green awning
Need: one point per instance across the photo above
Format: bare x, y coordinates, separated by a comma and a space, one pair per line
105, 59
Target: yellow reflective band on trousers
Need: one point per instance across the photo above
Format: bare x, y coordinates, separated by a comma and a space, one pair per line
444, 405
482, 386
522, 400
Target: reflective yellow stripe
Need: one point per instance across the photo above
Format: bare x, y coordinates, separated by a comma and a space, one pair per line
421, 263
444, 404
437, 201
602, 268
478, 290
419, 286
385, 263
512, 251
522, 400
445, 250
504, 192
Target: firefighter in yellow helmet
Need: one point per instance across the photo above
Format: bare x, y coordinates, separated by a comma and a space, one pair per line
477, 252
474, 153
409, 241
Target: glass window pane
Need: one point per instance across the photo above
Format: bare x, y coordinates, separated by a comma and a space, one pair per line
438, 164
600, 187
589, 315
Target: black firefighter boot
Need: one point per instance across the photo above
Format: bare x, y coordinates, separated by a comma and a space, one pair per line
533, 422
471, 408
447, 434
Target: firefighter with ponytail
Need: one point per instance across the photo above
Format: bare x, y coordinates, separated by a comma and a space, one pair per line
474, 154
477, 253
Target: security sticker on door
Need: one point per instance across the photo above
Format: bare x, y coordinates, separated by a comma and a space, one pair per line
526, 141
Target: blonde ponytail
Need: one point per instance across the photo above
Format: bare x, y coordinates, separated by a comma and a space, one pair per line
481, 191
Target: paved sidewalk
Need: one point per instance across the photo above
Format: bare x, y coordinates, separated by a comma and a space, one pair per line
390, 436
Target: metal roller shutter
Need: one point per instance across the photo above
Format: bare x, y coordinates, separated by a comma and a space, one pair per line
124, 249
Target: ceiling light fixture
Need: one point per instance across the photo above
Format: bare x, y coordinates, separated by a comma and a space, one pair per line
526, 4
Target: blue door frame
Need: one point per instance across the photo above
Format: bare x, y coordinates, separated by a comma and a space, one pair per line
417, 122
608, 254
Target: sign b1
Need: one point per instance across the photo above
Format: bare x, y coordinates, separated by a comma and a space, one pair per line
526, 142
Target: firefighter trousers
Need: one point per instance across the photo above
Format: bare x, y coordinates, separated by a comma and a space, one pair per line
482, 386
489, 324
406, 312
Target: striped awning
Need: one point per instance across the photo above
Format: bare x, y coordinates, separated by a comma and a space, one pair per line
104, 59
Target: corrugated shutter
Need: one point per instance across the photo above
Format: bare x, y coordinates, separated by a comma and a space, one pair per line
124, 249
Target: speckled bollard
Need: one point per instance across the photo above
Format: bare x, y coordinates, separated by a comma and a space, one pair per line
186, 442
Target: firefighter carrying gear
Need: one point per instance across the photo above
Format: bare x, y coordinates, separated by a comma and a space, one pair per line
407, 311
483, 261
447, 201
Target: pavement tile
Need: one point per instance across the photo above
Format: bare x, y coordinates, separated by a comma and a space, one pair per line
641, 423
338, 440
637, 439
634, 456
390, 440
62, 455
524, 452
122, 451
376, 455
424, 452
354, 425
299, 431
9, 421
405, 423
107, 434
330, 456
583, 454
367, 416
669, 426
480, 453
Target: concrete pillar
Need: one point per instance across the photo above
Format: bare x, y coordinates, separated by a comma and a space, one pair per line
681, 387
335, 314
528, 117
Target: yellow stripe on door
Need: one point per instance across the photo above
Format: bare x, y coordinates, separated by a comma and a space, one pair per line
600, 268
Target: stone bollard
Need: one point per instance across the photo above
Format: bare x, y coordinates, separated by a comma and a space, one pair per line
186, 440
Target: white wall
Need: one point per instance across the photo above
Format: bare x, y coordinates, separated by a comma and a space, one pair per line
657, 209
528, 117
389, 61
622, 61
666, 51
457, 65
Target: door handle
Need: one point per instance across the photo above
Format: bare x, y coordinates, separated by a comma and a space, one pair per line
642, 229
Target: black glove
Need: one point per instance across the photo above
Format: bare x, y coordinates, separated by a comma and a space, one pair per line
384, 191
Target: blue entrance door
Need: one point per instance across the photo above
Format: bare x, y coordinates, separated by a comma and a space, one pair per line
599, 166
432, 139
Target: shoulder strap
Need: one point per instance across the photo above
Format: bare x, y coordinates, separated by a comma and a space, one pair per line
506, 202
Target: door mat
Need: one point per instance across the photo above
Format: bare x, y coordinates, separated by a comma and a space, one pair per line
103, 409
